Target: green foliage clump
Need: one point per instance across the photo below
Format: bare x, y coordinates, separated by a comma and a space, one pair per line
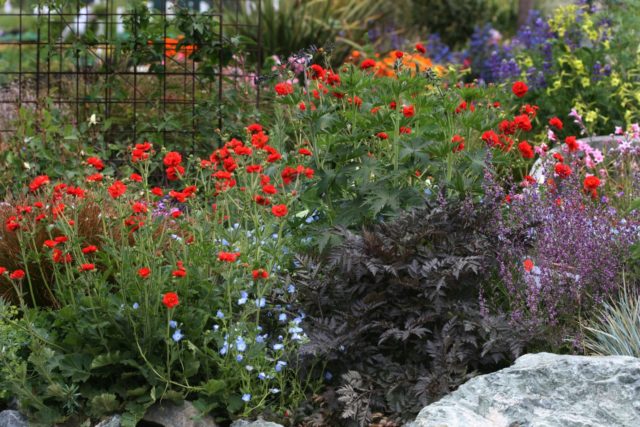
396, 312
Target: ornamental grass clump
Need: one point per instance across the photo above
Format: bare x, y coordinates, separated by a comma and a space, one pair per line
133, 293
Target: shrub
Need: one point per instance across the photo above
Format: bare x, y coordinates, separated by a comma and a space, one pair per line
396, 315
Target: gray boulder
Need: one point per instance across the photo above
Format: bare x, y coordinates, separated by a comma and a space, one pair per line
545, 390
257, 423
171, 415
11, 418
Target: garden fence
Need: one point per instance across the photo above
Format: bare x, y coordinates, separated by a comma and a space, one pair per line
157, 70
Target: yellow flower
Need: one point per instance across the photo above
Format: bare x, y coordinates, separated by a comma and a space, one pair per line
615, 79
585, 81
591, 117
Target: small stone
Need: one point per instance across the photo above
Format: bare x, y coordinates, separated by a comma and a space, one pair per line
11, 418
256, 423
113, 421
169, 414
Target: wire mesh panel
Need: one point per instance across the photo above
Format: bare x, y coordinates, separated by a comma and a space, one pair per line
156, 70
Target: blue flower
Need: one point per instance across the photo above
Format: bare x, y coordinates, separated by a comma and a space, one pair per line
173, 324
328, 375
243, 298
280, 364
225, 348
220, 314
240, 344
262, 375
260, 338
136, 305
282, 317
278, 347
275, 390
246, 397
291, 289
177, 335
239, 358
260, 302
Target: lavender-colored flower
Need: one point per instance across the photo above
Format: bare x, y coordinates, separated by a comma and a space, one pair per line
577, 245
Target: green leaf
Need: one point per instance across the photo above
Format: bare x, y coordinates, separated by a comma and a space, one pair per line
103, 404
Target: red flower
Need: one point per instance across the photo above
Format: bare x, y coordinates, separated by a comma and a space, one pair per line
117, 189
405, 130
174, 172
254, 128
562, 170
157, 191
317, 72
269, 189
254, 168
170, 300
17, 275
144, 272
519, 89
87, 267
522, 122
490, 138
180, 271
399, 54
572, 143
367, 63
420, 48
135, 177
459, 143
96, 177
393, 105
259, 274
408, 111
2, 270
279, 210
96, 163
556, 123
302, 106
89, 249
526, 150
228, 256
172, 158
558, 157
591, 183
305, 152
38, 182
528, 265
283, 88
382, 135
507, 127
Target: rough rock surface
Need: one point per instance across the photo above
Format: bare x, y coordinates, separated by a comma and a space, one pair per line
11, 418
545, 390
257, 423
171, 415
113, 421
